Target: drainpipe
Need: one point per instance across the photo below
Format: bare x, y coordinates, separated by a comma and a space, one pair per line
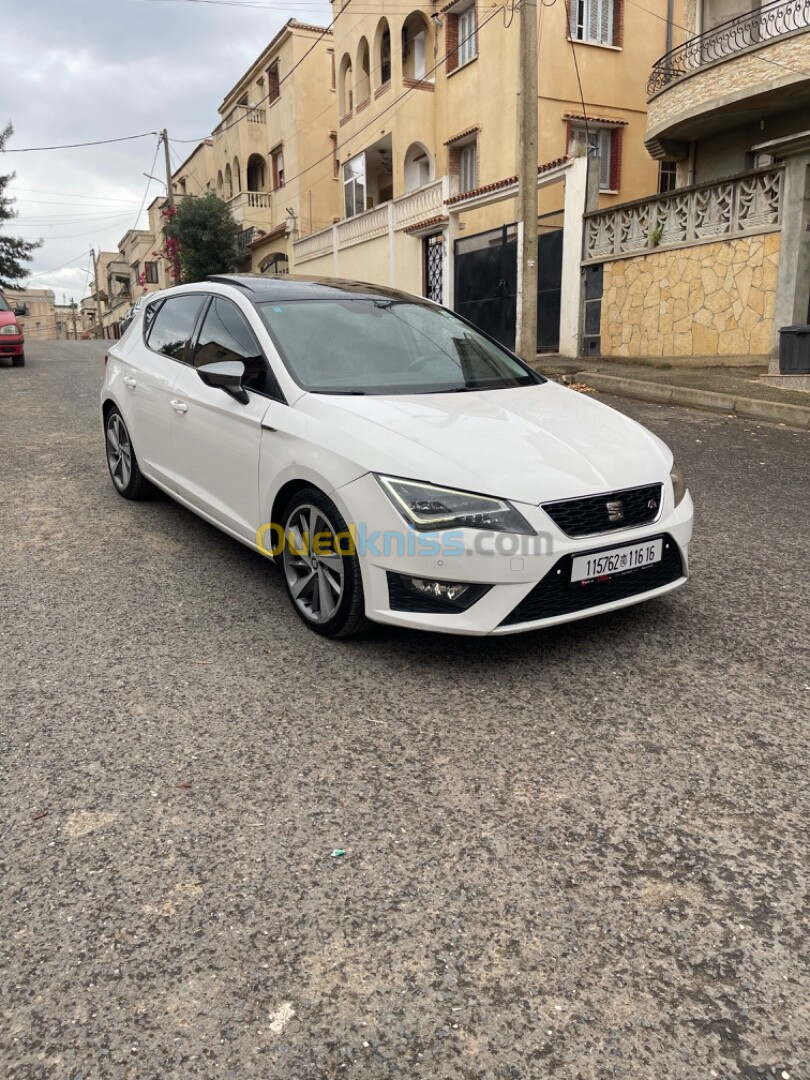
670, 17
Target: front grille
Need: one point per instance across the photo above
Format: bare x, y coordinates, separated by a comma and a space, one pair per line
555, 595
606, 513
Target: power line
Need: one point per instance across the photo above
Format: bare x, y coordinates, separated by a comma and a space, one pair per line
148, 184
45, 273
73, 146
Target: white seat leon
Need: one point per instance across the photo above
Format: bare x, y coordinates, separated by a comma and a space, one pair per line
400, 465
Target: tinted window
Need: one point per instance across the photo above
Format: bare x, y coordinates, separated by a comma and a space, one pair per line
173, 325
3, 305
387, 347
225, 335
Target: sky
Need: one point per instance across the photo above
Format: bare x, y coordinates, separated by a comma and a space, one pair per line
80, 70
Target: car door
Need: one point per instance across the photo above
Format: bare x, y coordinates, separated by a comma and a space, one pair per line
216, 438
149, 371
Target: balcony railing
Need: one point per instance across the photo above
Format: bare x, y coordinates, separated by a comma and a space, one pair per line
248, 200
409, 209
743, 204
772, 20
252, 113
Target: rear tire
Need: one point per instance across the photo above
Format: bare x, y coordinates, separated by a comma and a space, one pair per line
127, 478
323, 580
18, 361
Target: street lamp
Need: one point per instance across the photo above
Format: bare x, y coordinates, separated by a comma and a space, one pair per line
158, 180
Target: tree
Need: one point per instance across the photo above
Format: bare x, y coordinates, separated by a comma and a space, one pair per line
13, 251
203, 237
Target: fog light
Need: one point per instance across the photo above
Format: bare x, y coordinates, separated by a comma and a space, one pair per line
407, 593
442, 590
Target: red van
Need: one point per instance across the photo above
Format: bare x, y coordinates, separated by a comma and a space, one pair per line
11, 336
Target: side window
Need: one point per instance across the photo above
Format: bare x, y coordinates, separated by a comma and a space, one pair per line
225, 335
173, 325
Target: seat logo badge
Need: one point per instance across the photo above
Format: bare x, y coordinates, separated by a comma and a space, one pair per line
652, 504
615, 510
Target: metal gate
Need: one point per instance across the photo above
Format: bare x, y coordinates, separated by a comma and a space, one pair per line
433, 263
486, 283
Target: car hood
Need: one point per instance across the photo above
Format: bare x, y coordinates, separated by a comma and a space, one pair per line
7, 317
529, 444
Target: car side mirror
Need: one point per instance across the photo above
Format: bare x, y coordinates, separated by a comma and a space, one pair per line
227, 375
20, 311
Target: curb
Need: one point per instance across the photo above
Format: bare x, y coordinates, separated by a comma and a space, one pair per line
775, 412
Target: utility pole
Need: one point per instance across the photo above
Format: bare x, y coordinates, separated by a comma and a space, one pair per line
526, 345
99, 328
169, 189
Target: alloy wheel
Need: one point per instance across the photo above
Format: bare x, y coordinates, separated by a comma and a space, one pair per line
313, 565
119, 451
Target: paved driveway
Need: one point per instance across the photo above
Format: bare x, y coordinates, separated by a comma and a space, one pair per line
579, 853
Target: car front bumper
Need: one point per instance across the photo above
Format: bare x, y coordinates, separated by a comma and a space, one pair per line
11, 346
528, 575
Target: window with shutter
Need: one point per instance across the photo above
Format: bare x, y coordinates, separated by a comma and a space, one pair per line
272, 84
592, 20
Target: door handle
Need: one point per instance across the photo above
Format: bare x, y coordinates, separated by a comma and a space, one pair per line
130, 382
179, 406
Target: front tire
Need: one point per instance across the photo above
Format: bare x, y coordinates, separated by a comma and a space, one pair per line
18, 361
322, 578
127, 478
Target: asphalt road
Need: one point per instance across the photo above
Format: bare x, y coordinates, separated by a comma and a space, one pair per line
580, 853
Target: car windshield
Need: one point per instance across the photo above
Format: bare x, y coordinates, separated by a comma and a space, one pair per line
3, 305
382, 346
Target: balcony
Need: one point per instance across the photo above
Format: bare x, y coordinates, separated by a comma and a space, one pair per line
251, 207
744, 70
405, 212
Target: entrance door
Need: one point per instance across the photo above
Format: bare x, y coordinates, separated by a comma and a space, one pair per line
549, 290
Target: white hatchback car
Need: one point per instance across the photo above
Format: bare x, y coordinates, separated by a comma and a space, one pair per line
400, 465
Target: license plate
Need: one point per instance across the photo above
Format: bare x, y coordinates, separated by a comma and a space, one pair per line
615, 560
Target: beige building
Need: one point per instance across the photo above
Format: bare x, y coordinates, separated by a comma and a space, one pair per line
40, 321
271, 157
428, 148
715, 268
138, 267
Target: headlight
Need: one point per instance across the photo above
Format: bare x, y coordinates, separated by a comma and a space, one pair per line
427, 507
10, 328
678, 483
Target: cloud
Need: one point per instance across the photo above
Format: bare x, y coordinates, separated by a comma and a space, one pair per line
97, 69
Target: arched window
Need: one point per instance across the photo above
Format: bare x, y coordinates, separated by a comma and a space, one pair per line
363, 85
277, 263
382, 54
219, 183
228, 183
419, 167
237, 176
417, 47
345, 91
256, 173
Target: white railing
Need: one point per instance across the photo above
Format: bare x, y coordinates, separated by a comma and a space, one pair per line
365, 226
253, 114
419, 205
313, 246
409, 209
249, 200
739, 205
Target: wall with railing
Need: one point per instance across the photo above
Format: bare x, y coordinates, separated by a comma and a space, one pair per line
690, 274
740, 205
